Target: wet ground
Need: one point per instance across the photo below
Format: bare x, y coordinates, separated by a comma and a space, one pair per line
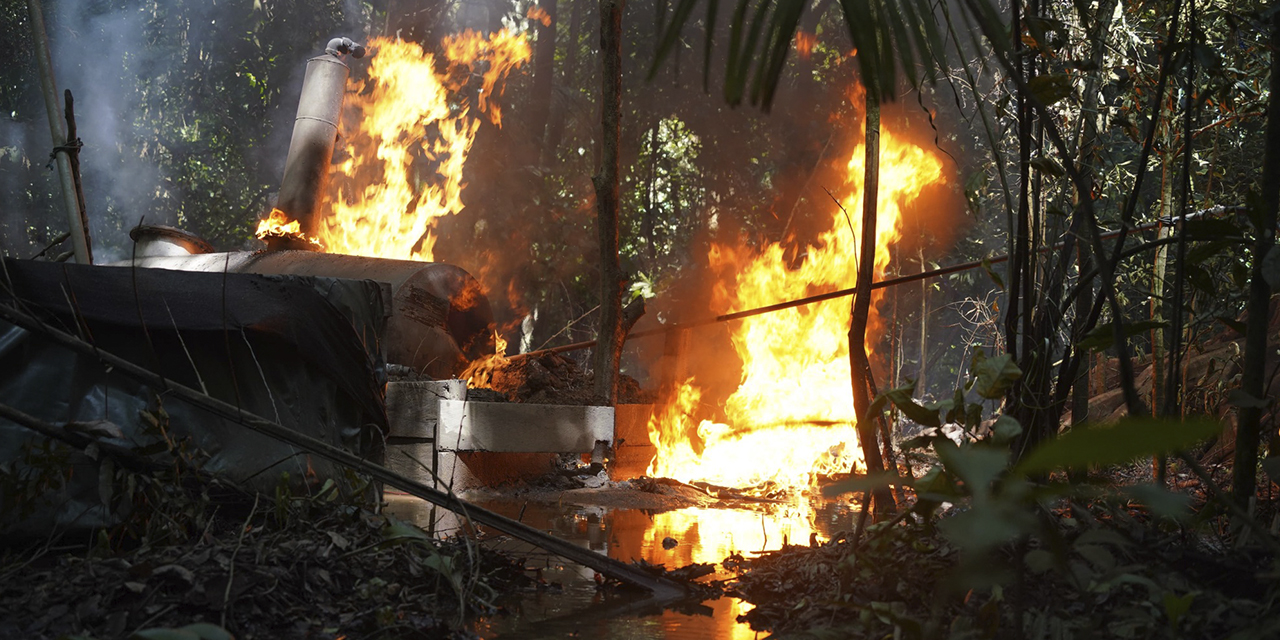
575, 607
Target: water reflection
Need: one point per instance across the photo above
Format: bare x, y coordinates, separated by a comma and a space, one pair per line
700, 535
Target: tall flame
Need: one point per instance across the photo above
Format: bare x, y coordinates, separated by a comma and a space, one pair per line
407, 130
792, 415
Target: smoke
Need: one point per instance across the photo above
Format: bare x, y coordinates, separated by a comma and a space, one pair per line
97, 55
183, 108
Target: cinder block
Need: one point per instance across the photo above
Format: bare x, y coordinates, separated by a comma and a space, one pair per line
522, 428
632, 451
413, 408
631, 425
402, 464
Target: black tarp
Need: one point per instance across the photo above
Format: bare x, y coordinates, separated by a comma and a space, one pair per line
303, 351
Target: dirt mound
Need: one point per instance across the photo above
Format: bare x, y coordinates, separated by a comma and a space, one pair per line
545, 379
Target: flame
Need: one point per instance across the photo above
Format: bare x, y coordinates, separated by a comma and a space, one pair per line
538, 14
479, 374
804, 43
711, 536
792, 416
278, 225
406, 133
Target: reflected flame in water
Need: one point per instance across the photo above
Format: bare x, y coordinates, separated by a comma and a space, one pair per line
711, 536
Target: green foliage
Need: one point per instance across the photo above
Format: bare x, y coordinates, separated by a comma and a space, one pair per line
888, 35
1128, 440
1001, 496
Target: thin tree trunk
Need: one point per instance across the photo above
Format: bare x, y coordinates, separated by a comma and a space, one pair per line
543, 72
1160, 337
569, 73
922, 384
1173, 383
1163, 336
648, 222
612, 333
1253, 378
859, 365
1087, 158
1018, 234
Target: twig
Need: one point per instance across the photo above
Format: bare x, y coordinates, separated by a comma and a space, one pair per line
849, 221
231, 571
266, 384
203, 389
126, 457
566, 328
62, 237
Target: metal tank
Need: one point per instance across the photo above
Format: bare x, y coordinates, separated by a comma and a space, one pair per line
440, 319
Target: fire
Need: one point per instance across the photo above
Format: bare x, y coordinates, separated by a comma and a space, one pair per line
278, 225
792, 416
804, 43
538, 14
479, 374
407, 130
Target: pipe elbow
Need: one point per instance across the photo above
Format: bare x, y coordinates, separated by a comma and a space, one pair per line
344, 46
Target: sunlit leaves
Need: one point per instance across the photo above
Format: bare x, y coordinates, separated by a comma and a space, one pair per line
1050, 88
993, 376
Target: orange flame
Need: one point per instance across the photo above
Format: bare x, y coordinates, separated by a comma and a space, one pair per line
479, 374
804, 44
538, 14
278, 225
406, 134
792, 415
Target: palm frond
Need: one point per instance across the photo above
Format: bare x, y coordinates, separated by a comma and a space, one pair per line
889, 36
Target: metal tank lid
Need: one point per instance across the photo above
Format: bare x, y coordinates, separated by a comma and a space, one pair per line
159, 239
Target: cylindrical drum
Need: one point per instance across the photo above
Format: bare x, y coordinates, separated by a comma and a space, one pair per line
315, 132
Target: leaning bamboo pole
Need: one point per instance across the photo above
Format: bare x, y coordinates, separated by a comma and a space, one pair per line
70, 199
661, 587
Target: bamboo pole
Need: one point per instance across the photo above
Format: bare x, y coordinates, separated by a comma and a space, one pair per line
77, 223
661, 587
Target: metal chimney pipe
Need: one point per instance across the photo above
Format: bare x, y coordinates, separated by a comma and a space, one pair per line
315, 132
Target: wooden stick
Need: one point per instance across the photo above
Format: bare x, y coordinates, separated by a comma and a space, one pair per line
842, 293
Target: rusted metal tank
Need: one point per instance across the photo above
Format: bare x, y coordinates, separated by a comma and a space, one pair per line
440, 319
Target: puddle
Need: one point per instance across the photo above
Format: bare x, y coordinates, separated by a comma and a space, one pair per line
700, 535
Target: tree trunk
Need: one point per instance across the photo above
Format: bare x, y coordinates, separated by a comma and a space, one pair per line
1177, 313
609, 348
1253, 379
922, 383
1087, 159
1018, 233
858, 362
543, 72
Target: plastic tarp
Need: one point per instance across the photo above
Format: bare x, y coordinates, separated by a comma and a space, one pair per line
303, 351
